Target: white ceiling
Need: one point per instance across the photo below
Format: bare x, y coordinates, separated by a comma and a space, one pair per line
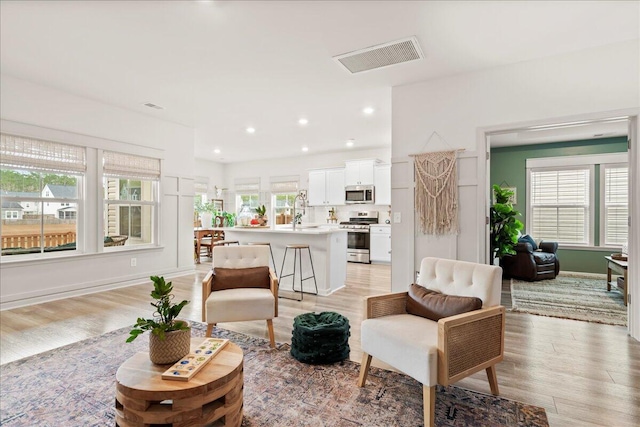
220, 67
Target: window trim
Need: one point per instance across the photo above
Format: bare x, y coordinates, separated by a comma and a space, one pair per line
155, 217
571, 162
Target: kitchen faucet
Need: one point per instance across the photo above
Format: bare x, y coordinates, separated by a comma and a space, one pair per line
302, 195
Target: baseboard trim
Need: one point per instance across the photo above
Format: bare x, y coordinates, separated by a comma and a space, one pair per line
26, 299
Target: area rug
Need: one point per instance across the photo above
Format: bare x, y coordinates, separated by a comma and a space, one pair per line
570, 297
75, 385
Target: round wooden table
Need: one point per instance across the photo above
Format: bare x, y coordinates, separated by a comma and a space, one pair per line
213, 394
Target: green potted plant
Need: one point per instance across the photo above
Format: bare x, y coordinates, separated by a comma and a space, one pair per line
229, 219
262, 214
504, 225
170, 338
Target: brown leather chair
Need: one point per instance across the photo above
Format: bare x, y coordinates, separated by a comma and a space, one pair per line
532, 264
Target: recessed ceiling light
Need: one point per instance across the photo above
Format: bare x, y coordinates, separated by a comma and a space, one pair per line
251, 130
368, 110
305, 149
350, 142
217, 151
303, 121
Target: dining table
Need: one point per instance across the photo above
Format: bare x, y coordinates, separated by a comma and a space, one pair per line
216, 233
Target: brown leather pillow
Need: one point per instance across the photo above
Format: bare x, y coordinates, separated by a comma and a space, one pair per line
232, 278
435, 305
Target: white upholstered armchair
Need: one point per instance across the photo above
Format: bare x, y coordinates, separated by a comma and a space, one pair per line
444, 351
240, 287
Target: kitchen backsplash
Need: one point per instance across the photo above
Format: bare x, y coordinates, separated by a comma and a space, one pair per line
320, 214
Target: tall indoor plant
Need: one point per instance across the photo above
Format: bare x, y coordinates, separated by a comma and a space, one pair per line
505, 226
170, 338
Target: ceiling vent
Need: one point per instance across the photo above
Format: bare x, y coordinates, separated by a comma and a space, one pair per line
380, 56
150, 105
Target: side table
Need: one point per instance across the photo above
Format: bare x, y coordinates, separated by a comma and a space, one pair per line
618, 266
143, 398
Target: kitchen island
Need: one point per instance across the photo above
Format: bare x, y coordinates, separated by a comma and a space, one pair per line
328, 251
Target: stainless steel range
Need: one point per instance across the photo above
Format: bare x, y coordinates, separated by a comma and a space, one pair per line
358, 238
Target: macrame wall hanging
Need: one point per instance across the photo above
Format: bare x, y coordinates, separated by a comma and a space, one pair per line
436, 195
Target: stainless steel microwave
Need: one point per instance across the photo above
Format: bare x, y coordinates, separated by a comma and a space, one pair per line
359, 194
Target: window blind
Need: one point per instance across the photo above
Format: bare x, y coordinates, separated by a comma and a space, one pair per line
616, 210
37, 154
247, 185
200, 188
560, 205
130, 166
280, 187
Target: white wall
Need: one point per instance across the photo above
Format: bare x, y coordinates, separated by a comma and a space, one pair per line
213, 172
591, 81
43, 112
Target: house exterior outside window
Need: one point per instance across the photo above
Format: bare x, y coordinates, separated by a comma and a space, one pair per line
44, 176
131, 188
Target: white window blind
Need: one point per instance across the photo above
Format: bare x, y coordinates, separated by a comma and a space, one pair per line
36, 154
200, 187
616, 210
130, 166
559, 202
284, 184
247, 185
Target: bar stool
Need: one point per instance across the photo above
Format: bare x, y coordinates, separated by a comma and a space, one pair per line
297, 254
273, 260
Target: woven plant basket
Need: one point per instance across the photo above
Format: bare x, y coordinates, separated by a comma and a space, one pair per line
175, 346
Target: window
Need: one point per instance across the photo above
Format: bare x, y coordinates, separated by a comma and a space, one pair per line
247, 193
283, 192
615, 210
562, 203
559, 207
32, 171
130, 199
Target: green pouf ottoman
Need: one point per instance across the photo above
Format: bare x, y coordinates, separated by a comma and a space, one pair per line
320, 338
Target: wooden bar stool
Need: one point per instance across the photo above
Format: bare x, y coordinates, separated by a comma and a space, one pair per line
273, 260
297, 255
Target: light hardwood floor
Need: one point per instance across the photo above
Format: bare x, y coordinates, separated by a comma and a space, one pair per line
583, 374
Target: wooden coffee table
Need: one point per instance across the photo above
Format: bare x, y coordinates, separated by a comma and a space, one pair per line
214, 394
618, 266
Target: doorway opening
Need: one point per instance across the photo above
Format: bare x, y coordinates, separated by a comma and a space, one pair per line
527, 160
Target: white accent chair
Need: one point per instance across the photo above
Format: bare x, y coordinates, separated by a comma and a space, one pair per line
440, 352
240, 304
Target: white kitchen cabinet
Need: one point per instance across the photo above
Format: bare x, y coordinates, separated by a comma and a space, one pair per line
335, 186
326, 187
382, 183
380, 243
359, 172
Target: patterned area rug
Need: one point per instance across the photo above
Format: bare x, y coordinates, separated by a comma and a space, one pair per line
570, 297
75, 385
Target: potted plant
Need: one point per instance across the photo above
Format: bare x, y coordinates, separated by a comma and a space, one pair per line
504, 225
229, 219
170, 338
207, 212
262, 214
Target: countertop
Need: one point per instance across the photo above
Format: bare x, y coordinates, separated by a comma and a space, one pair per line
286, 230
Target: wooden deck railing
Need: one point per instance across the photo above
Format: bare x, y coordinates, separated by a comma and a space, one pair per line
27, 241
